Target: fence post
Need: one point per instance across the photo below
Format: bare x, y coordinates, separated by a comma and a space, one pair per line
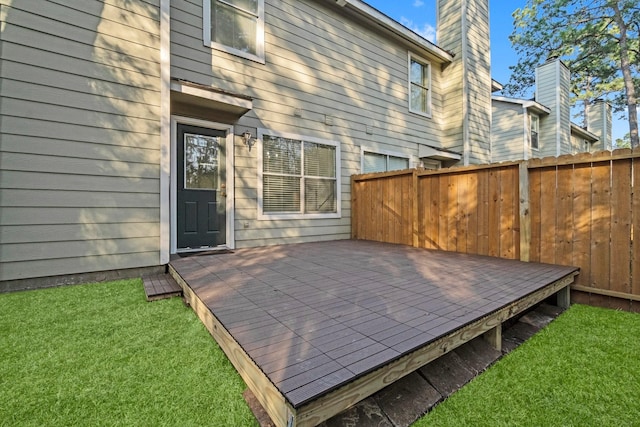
525, 215
415, 209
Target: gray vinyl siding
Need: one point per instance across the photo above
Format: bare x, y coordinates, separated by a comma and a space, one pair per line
449, 37
552, 91
599, 123
79, 147
463, 29
479, 79
508, 132
322, 64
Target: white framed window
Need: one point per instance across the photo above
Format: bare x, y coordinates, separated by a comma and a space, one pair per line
534, 124
382, 161
298, 177
235, 27
419, 85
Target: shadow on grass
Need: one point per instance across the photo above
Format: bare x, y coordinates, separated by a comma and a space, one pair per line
582, 370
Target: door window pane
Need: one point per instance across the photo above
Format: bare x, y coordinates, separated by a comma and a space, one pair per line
201, 167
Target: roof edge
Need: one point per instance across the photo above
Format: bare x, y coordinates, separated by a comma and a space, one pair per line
526, 103
584, 133
374, 15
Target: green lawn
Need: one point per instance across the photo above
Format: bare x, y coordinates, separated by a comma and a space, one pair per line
582, 370
99, 354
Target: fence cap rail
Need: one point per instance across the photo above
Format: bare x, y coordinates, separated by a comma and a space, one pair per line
544, 162
574, 159
378, 175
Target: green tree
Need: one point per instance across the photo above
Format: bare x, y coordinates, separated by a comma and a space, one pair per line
623, 142
597, 39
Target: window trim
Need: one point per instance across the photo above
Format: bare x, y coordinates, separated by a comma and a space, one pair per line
268, 216
364, 149
206, 34
424, 63
531, 130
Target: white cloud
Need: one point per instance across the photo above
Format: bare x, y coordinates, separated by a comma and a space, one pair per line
427, 30
418, 3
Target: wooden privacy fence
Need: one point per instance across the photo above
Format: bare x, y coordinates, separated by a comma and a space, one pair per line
573, 210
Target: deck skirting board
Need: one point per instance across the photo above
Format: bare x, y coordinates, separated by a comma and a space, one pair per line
266, 393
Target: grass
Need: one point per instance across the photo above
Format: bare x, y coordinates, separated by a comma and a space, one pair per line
582, 370
99, 354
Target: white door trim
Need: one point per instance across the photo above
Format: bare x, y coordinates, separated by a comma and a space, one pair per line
229, 147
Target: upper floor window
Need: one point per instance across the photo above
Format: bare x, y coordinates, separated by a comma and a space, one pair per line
535, 129
299, 177
235, 26
419, 85
383, 162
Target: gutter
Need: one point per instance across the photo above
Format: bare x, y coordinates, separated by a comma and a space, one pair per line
375, 16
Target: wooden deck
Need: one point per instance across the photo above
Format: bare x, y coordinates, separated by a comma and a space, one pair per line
314, 328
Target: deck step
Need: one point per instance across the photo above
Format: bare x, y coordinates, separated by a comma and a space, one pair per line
161, 286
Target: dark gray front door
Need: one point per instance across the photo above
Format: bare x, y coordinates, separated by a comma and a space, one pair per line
201, 213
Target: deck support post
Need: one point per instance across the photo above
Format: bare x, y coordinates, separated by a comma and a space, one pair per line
563, 297
494, 337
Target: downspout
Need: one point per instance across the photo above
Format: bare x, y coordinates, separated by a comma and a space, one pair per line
558, 111
165, 129
465, 87
526, 145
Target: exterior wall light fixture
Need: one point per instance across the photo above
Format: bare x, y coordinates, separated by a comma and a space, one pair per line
248, 139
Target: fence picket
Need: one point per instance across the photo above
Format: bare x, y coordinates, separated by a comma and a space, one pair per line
535, 191
548, 199
564, 215
621, 226
581, 254
483, 212
581, 210
600, 224
635, 242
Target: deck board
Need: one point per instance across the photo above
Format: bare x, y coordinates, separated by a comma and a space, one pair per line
317, 316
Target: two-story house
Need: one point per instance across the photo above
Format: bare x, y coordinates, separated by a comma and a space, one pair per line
132, 131
541, 127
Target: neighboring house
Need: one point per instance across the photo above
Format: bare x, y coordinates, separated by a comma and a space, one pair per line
523, 129
135, 130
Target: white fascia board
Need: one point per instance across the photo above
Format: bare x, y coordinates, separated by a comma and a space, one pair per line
534, 106
583, 133
223, 98
377, 17
426, 151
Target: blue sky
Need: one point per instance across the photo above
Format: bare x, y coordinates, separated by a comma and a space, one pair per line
420, 16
